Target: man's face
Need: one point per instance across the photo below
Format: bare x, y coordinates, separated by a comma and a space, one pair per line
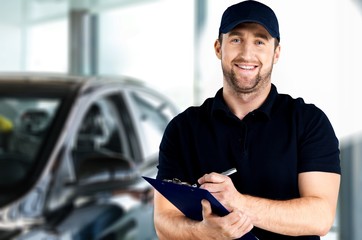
247, 55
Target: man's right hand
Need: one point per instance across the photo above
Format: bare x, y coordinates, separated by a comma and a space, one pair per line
232, 226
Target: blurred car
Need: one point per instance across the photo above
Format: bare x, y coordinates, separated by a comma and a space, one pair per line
72, 153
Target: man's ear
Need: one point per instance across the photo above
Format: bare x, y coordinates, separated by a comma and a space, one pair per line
276, 54
217, 47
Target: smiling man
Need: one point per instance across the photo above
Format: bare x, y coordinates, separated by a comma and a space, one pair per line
285, 150
247, 53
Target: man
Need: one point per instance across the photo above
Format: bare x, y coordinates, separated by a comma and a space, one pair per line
285, 151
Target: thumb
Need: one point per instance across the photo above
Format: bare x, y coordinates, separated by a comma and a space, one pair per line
206, 208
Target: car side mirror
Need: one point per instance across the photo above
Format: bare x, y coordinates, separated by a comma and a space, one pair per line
106, 173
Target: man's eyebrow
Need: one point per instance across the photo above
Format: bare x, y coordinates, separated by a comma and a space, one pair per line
256, 35
262, 36
235, 33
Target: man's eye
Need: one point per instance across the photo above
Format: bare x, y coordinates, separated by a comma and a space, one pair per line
235, 40
259, 43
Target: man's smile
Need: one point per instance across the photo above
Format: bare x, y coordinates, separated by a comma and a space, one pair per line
246, 67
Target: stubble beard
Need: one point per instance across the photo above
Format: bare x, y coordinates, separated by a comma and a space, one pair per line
257, 83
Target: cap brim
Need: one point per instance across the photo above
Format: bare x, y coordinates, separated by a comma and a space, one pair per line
234, 24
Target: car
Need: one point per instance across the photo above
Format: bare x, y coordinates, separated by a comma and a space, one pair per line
73, 151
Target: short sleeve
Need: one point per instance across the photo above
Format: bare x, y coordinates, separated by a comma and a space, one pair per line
318, 144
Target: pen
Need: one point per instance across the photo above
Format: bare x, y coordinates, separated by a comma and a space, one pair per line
229, 172
226, 173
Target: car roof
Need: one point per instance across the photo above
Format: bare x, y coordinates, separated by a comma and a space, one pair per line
61, 84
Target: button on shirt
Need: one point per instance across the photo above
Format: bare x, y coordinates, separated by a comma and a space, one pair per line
269, 147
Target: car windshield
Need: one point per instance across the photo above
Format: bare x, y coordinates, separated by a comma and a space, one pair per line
24, 125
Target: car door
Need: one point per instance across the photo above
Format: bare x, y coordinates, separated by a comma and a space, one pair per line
103, 132
152, 112
100, 142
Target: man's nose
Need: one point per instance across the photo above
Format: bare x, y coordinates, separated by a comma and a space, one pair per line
247, 51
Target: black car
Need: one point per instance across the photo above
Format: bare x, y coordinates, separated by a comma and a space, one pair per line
72, 153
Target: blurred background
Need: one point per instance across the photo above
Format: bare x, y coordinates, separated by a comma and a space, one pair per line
169, 45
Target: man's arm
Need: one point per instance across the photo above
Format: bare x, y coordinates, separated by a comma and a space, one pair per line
311, 214
170, 223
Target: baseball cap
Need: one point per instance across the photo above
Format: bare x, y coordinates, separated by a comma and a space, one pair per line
250, 11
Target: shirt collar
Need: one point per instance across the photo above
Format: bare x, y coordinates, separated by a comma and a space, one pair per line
265, 109
268, 104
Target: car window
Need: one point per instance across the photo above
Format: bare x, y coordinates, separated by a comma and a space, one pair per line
24, 125
153, 113
101, 134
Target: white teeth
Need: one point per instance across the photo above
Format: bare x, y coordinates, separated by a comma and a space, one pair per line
246, 67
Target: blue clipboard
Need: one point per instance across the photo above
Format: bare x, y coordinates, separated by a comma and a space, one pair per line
188, 200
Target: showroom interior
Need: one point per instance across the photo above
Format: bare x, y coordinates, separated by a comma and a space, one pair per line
168, 45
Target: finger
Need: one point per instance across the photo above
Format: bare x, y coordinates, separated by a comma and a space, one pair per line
215, 177
201, 180
245, 224
212, 178
236, 225
206, 208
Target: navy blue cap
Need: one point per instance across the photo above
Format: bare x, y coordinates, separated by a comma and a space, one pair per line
250, 11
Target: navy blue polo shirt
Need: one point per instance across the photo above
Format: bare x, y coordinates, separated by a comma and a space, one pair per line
269, 147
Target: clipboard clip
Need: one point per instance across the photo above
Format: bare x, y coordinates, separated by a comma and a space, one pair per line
178, 181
